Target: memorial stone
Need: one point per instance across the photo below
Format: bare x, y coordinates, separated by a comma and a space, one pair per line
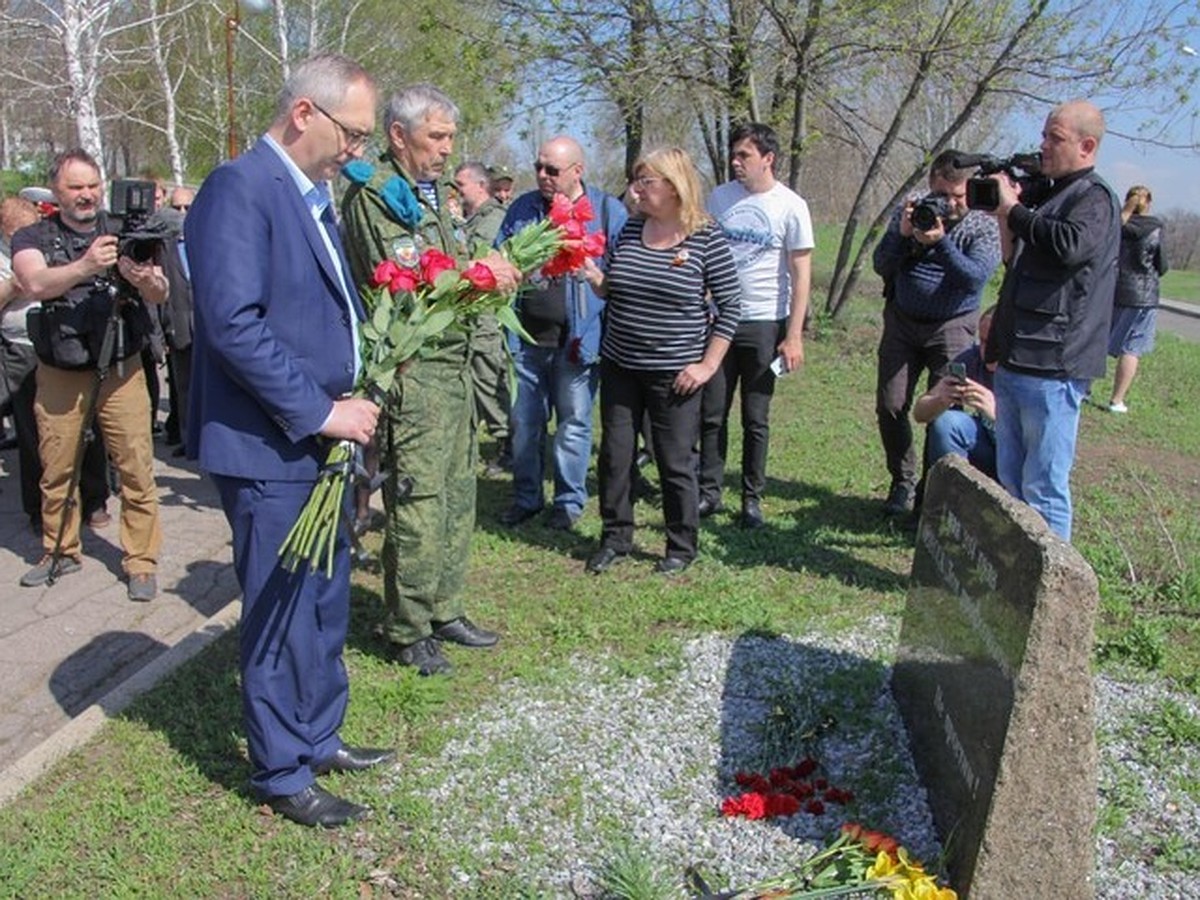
993, 680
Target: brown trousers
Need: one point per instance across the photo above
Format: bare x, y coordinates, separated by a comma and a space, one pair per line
122, 415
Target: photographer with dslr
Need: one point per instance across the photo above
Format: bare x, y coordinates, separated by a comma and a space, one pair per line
1052, 320
71, 264
934, 258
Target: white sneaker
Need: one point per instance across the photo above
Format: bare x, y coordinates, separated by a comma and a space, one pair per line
1118, 408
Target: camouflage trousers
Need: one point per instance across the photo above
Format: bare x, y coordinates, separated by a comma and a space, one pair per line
489, 374
427, 539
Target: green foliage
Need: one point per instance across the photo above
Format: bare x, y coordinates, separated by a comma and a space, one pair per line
1182, 285
629, 872
1140, 643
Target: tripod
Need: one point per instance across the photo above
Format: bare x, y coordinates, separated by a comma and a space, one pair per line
112, 343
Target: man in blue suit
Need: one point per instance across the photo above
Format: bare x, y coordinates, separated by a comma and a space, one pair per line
275, 356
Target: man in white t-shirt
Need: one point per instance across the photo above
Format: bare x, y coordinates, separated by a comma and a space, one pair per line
770, 232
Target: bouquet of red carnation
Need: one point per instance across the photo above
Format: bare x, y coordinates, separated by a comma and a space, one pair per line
408, 308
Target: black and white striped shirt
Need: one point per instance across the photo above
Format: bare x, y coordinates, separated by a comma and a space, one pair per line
664, 305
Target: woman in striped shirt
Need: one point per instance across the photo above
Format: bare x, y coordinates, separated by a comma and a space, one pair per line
673, 303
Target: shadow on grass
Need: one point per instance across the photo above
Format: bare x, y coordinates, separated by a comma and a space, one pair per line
198, 710
835, 529
823, 533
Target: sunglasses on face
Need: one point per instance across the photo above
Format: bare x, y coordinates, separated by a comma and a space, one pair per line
552, 171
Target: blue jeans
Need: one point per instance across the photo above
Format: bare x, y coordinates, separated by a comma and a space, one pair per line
1037, 422
955, 431
548, 381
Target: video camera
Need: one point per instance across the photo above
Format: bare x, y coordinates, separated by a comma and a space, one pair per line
132, 203
1023, 168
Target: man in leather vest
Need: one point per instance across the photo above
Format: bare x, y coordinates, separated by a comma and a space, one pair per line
65, 262
1051, 327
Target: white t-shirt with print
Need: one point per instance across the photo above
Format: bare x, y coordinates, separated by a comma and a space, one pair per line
763, 230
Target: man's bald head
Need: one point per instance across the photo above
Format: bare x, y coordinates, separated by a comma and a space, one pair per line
559, 167
1071, 138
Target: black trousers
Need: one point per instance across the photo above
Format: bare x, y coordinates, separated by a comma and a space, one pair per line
748, 362
907, 348
625, 395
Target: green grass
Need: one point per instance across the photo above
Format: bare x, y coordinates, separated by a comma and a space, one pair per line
158, 805
1181, 284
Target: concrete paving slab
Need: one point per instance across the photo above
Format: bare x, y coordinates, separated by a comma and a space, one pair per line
75, 653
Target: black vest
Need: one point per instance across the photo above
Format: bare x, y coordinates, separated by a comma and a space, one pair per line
1053, 317
67, 333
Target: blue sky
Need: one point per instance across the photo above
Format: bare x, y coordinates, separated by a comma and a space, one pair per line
1171, 175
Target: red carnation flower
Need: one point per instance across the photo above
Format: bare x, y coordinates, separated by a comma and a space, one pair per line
814, 806
404, 279
480, 277
806, 767
383, 273
582, 211
782, 805
560, 210
594, 244
820, 784
434, 263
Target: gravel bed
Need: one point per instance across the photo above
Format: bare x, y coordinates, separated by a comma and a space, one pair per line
546, 780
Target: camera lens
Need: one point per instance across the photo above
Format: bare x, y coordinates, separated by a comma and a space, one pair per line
926, 213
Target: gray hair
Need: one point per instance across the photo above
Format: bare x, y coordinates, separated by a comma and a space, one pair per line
324, 79
477, 171
412, 105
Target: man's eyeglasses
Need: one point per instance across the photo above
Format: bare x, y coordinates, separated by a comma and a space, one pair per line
354, 137
180, 207
552, 171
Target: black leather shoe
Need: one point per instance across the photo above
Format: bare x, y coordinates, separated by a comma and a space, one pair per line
671, 565
515, 515
752, 514
561, 520
353, 759
316, 806
426, 657
603, 559
709, 506
465, 632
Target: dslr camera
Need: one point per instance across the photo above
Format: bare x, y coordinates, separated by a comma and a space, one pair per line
131, 204
1023, 168
927, 211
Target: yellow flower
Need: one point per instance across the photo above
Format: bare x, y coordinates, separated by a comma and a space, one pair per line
883, 868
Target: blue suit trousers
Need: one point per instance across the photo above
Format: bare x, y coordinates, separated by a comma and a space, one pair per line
293, 629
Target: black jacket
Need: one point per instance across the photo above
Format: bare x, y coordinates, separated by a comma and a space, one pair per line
1142, 261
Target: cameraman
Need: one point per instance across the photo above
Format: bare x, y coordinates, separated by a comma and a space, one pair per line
1052, 321
68, 261
934, 265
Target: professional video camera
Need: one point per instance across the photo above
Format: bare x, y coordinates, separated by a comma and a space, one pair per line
131, 203
1023, 168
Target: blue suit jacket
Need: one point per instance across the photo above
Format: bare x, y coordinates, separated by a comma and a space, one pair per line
273, 345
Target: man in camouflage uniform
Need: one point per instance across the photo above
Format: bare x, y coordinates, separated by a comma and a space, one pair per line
398, 211
489, 368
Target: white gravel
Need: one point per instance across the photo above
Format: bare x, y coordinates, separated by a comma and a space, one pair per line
546, 779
